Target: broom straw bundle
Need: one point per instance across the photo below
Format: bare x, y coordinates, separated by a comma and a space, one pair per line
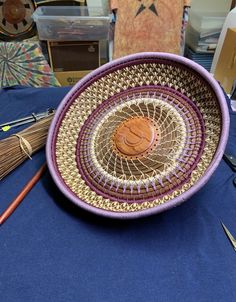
18, 147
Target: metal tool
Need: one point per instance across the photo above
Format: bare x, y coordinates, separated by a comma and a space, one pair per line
230, 160
230, 236
25, 120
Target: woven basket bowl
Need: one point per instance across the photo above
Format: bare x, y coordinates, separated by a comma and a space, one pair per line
138, 136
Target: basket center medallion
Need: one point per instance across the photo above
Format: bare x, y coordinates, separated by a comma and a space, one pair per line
135, 137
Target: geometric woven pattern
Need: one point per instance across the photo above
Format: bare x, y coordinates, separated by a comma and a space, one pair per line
139, 136
156, 171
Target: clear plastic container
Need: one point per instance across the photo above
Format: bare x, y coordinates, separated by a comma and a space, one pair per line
70, 23
203, 30
205, 23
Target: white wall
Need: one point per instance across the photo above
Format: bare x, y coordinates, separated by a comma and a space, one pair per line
211, 5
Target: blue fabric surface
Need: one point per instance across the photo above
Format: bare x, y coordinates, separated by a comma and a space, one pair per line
50, 250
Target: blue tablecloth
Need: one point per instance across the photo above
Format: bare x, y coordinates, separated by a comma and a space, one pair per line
50, 250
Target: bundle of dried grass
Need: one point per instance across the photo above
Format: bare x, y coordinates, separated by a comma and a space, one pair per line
18, 147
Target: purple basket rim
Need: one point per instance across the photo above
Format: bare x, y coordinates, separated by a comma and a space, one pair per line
175, 201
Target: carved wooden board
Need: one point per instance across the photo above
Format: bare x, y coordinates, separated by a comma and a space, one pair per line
147, 25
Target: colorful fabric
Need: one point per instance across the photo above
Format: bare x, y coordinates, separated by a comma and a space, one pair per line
23, 63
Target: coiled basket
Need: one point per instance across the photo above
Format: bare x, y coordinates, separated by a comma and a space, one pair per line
138, 136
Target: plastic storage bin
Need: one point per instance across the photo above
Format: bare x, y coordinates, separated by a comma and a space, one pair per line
230, 22
70, 23
203, 30
208, 22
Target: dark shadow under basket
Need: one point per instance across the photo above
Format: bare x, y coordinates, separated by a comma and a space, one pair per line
138, 135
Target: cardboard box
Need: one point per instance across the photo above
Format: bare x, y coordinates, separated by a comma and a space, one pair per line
70, 78
71, 61
73, 56
225, 71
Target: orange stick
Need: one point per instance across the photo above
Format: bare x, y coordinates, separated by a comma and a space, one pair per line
23, 193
